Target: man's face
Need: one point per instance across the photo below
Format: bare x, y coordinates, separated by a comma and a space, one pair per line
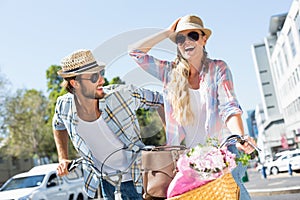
91, 85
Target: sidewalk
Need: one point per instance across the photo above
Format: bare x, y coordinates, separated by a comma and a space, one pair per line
282, 183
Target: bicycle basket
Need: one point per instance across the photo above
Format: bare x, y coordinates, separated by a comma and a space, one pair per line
223, 188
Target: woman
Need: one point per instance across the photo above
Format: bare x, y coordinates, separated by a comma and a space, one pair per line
200, 101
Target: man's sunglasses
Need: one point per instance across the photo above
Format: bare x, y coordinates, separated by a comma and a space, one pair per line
193, 35
94, 77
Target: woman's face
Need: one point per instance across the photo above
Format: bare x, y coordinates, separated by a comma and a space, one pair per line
190, 44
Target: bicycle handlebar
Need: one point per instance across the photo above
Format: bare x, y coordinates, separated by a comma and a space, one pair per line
233, 139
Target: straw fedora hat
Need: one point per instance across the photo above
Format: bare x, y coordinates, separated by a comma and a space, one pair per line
190, 22
79, 62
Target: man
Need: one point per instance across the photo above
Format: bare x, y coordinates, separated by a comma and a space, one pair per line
99, 120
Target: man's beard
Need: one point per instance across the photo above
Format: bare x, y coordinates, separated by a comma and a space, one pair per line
89, 94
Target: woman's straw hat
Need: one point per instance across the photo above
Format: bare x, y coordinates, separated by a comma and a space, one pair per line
79, 62
190, 22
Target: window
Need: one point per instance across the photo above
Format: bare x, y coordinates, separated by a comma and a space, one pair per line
292, 44
75, 174
266, 83
23, 182
297, 22
296, 154
53, 181
276, 70
284, 157
280, 63
285, 55
263, 71
297, 76
294, 79
268, 95
290, 81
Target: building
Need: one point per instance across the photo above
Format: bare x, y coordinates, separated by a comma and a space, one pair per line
285, 62
277, 65
251, 124
10, 166
270, 131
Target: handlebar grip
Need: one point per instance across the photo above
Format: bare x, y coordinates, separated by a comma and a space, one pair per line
242, 141
72, 165
253, 154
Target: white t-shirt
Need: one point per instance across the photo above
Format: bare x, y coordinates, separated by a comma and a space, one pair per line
103, 142
195, 133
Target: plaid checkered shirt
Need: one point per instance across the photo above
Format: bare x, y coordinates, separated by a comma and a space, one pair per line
217, 84
118, 111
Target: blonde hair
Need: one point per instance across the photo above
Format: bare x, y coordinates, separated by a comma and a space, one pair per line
178, 89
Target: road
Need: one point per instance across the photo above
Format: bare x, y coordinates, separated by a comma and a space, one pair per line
278, 197
275, 187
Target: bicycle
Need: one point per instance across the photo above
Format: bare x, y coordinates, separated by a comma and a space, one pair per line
231, 140
114, 178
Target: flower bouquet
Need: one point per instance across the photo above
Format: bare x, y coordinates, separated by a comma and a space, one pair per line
204, 167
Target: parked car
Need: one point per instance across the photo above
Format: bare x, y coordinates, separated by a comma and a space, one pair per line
42, 182
282, 161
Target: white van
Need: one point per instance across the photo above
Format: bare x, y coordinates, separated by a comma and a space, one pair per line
282, 161
41, 182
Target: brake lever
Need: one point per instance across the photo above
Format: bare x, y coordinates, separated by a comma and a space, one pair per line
243, 140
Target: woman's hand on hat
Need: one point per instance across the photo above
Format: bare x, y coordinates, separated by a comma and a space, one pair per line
173, 26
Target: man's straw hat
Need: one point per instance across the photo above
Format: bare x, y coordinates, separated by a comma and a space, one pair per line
79, 62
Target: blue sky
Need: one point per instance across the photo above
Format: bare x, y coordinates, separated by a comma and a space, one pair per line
36, 34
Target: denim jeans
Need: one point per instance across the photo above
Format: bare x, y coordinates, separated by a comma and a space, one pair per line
238, 173
128, 191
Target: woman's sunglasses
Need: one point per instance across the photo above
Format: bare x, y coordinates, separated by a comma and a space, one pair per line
94, 77
180, 39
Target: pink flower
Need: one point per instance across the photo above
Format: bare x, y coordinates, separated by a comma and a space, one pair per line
199, 166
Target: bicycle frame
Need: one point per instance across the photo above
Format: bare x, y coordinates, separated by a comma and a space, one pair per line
114, 178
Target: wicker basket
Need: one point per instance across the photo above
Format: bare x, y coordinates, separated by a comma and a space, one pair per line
223, 188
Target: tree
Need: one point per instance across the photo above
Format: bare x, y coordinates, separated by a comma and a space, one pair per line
4, 94
54, 88
28, 134
152, 131
117, 80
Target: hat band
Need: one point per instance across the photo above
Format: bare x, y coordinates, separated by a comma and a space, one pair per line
84, 67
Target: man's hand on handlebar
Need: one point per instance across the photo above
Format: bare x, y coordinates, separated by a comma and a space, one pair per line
62, 168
